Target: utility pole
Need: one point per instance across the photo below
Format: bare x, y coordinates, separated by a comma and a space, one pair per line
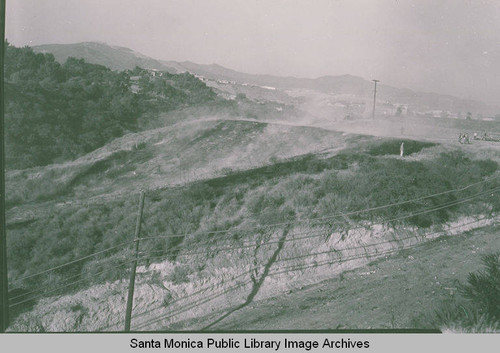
130, 298
374, 98
4, 290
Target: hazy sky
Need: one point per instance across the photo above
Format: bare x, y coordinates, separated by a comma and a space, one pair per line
445, 46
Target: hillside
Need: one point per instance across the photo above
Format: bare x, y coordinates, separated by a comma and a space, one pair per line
58, 112
123, 58
115, 58
174, 155
252, 192
398, 291
206, 236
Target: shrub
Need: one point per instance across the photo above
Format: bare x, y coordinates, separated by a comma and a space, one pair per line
295, 189
483, 287
482, 311
179, 275
452, 316
487, 167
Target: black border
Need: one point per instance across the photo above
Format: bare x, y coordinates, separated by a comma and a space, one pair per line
4, 310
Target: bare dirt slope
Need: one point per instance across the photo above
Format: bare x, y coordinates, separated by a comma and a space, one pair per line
399, 291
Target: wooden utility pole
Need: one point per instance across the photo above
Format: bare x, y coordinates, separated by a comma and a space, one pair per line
374, 98
4, 290
130, 298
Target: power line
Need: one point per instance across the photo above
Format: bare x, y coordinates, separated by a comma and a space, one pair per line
365, 245
330, 216
301, 267
372, 244
68, 285
446, 205
321, 232
211, 286
449, 204
288, 269
64, 279
263, 226
74, 261
194, 305
344, 214
246, 246
353, 257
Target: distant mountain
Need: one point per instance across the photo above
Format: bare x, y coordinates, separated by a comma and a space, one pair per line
339, 84
116, 58
59, 111
119, 58
347, 85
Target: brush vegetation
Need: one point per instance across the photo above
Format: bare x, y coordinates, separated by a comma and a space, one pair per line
59, 112
56, 112
190, 217
477, 306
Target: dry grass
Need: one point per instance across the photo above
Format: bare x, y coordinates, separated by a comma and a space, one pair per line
290, 190
163, 299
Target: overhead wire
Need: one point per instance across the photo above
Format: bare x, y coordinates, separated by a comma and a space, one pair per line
197, 292
292, 268
297, 268
259, 227
64, 279
195, 304
320, 232
437, 208
294, 239
339, 214
74, 261
364, 246
317, 264
44, 294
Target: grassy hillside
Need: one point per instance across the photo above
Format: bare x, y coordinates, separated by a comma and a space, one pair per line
172, 155
239, 205
56, 112
303, 192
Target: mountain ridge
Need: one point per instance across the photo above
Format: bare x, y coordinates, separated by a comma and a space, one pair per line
121, 58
